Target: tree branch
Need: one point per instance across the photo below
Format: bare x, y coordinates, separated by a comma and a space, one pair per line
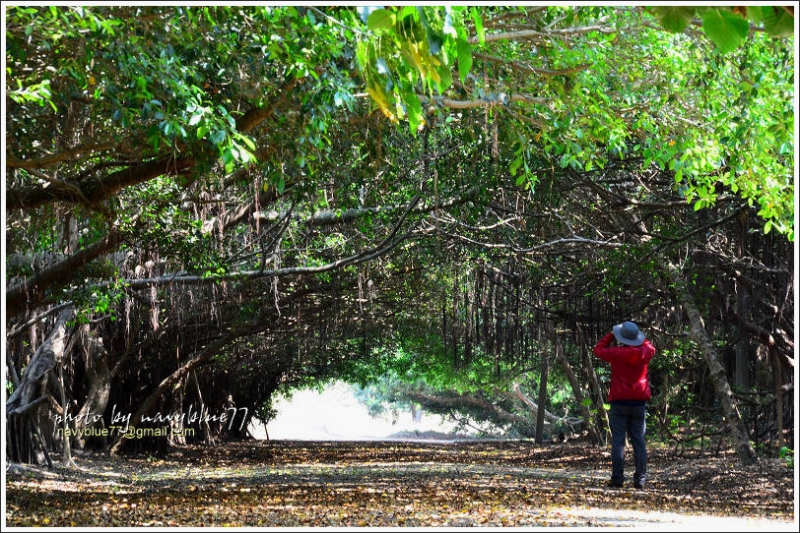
70, 155
530, 34
258, 115
483, 102
391, 241
329, 217
96, 190
519, 65
32, 290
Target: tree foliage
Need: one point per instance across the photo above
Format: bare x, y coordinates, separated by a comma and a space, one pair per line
727, 27
583, 105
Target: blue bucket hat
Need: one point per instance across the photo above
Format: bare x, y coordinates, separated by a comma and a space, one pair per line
628, 333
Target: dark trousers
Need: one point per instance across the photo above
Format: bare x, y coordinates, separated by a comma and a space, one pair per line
628, 420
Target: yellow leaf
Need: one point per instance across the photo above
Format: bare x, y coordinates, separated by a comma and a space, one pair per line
379, 96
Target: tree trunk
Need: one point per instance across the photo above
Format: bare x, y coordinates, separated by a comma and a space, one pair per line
697, 332
769, 341
66, 450
209, 437
600, 395
466, 402
742, 368
534, 408
742, 372
170, 381
576, 391
31, 391
542, 400
99, 376
778, 383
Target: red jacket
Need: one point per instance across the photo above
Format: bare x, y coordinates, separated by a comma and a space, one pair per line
628, 368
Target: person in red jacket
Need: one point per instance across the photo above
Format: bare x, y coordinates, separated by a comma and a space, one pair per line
628, 395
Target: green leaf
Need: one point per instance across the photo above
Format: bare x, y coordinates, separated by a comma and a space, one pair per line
725, 29
228, 159
195, 118
409, 10
674, 18
435, 42
413, 107
445, 78
381, 19
247, 141
777, 21
476, 18
515, 164
218, 136
464, 51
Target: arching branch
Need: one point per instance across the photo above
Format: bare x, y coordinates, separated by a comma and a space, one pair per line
32, 290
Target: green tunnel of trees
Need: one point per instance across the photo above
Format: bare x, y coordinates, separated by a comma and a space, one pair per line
206, 206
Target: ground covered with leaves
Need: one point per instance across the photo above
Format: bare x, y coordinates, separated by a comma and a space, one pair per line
395, 483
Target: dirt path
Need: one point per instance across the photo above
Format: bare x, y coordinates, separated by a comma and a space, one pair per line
285, 483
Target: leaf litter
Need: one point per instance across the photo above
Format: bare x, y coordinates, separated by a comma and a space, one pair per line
394, 483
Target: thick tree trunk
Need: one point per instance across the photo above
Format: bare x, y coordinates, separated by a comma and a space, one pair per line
99, 385
697, 332
66, 449
30, 389
31, 392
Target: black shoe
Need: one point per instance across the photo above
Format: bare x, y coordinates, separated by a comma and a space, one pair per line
638, 485
614, 484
